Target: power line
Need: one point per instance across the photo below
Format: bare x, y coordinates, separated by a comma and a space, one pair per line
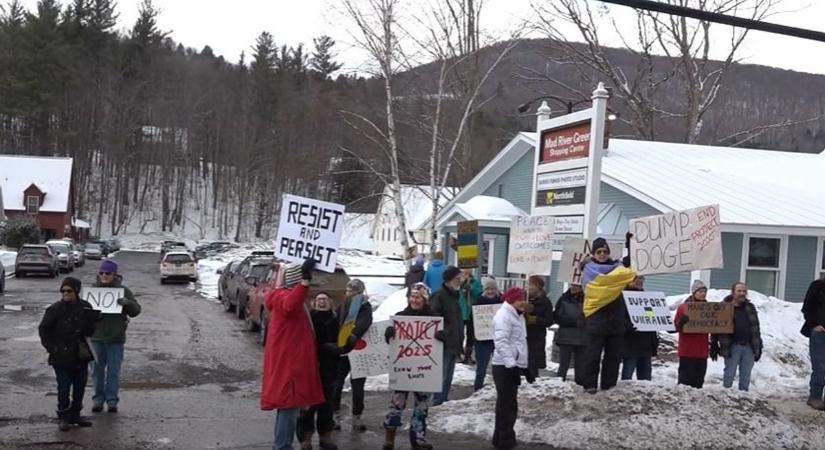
649, 5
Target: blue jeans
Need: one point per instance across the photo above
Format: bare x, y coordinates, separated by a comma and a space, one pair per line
817, 349
106, 372
741, 356
286, 421
484, 351
643, 366
447, 377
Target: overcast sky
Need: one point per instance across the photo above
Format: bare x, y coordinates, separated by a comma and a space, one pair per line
231, 27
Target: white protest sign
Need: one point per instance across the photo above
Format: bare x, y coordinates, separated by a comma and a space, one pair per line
575, 251
483, 321
371, 353
103, 299
680, 241
531, 245
416, 357
648, 311
309, 229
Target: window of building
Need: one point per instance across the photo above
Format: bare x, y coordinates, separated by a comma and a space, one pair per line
32, 204
763, 261
820, 259
395, 235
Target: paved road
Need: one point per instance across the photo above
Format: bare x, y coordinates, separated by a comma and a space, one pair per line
190, 377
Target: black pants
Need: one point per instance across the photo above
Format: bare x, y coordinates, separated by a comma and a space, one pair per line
469, 338
602, 353
318, 414
71, 382
692, 371
357, 389
577, 354
507, 382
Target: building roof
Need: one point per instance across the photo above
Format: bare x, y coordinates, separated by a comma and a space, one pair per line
485, 209
417, 203
52, 176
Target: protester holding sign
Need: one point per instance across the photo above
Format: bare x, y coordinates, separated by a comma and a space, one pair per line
571, 337
417, 305
638, 347
744, 347
509, 364
470, 290
109, 340
484, 348
65, 326
539, 317
693, 347
445, 304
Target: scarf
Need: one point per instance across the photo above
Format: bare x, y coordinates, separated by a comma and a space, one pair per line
349, 321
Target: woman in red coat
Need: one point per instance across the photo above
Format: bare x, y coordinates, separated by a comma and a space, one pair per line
693, 347
290, 379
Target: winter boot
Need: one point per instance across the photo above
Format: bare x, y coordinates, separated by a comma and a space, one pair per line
306, 440
389, 439
337, 419
97, 407
76, 419
421, 445
325, 441
468, 356
357, 424
63, 420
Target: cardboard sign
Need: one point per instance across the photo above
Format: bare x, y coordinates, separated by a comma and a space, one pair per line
680, 241
371, 353
309, 229
575, 251
483, 321
416, 356
648, 311
531, 245
103, 299
467, 245
709, 317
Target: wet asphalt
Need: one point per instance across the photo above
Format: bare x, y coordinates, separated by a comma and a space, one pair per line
190, 377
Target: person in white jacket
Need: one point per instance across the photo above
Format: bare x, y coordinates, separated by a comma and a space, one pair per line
509, 364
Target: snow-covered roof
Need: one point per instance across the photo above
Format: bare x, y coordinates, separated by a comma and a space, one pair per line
53, 176
486, 209
80, 223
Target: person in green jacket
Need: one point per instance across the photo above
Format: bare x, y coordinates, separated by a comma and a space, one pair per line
108, 340
471, 289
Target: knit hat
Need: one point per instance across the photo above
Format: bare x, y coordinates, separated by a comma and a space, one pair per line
489, 283
697, 285
513, 294
421, 287
73, 283
356, 286
108, 266
419, 261
599, 243
536, 281
450, 272
292, 274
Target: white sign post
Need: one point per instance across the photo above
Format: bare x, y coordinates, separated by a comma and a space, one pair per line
531, 245
483, 321
680, 241
371, 354
103, 299
648, 311
309, 229
416, 356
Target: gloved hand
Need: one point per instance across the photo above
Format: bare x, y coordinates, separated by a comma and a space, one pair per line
351, 340
627, 237
756, 356
122, 301
439, 335
330, 349
306, 269
389, 333
528, 376
684, 320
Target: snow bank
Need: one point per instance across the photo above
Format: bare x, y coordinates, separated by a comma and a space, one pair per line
393, 304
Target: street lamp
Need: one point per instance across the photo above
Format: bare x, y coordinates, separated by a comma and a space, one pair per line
568, 104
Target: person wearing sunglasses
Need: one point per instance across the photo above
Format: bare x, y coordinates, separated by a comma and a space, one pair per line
63, 331
109, 340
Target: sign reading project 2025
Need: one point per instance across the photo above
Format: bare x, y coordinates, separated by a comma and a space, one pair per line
309, 229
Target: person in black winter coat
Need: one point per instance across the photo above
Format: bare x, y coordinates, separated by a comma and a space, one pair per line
814, 329
63, 331
415, 274
325, 324
571, 337
539, 317
445, 304
638, 347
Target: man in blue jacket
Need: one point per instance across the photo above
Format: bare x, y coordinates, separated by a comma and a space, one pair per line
433, 278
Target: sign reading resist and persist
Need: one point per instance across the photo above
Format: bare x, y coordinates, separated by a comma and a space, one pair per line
648, 311
680, 241
103, 299
416, 356
531, 245
709, 317
371, 353
309, 229
483, 321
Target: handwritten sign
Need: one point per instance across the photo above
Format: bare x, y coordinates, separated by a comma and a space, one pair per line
416, 357
467, 245
575, 251
103, 299
709, 317
371, 353
531, 245
648, 311
483, 321
309, 229
680, 241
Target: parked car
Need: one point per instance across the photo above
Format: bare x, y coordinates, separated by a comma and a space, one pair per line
93, 250
63, 250
178, 266
167, 246
256, 316
104, 247
35, 259
114, 244
78, 258
238, 286
226, 274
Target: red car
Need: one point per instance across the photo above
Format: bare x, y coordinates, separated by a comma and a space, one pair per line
256, 315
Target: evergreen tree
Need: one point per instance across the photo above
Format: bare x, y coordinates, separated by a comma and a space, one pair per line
322, 61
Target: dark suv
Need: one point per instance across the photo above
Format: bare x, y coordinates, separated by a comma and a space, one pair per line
35, 259
237, 287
